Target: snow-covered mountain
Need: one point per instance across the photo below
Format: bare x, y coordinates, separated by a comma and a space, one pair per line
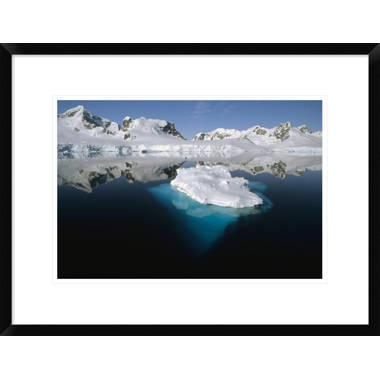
80, 126
283, 137
82, 132
141, 126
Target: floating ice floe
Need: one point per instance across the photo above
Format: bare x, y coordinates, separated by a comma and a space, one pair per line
214, 185
204, 223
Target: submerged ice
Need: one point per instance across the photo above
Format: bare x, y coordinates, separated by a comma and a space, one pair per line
214, 185
204, 223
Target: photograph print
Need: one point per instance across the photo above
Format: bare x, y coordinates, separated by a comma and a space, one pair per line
189, 189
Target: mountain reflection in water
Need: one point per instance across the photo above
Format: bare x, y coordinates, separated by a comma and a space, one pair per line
88, 173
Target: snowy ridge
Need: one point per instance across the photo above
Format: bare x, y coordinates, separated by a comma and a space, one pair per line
81, 123
143, 127
79, 130
80, 126
283, 137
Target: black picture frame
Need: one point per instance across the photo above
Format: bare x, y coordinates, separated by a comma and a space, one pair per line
372, 50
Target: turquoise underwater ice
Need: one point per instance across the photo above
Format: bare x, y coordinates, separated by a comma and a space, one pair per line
205, 223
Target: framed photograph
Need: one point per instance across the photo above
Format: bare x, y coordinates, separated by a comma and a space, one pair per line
189, 189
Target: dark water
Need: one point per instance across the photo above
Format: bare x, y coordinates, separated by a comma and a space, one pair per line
149, 230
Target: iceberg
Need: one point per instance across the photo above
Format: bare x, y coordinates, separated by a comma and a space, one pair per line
214, 185
203, 224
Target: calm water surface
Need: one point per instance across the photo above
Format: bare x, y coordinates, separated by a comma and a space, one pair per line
114, 225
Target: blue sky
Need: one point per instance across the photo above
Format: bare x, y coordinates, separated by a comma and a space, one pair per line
191, 117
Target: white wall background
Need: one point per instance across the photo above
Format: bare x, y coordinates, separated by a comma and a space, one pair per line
192, 357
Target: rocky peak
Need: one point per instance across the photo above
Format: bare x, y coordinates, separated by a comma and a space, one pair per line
91, 121
72, 112
149, 126
282, 131
259, 131
305, 129
79, 118
127, 121
170, 129
200, 136
216, 134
